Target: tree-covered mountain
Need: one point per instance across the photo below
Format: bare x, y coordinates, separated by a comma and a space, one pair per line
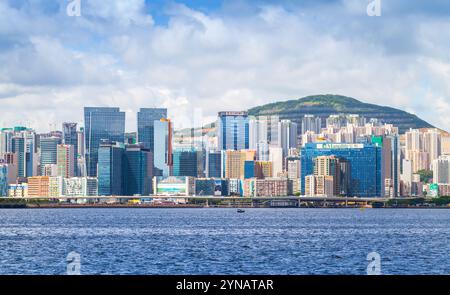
326, 105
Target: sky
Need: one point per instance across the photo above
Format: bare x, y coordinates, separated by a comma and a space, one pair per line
200, 57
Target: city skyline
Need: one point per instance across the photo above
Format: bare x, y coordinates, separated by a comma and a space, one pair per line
185, 54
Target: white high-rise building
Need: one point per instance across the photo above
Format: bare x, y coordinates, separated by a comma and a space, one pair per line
287, 135
432, 143
276, 157
441, 170
311, 123
413, 140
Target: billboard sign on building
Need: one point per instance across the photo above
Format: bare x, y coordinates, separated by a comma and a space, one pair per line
217, 187
434, 190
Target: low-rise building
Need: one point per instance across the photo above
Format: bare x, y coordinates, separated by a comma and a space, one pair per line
18, 190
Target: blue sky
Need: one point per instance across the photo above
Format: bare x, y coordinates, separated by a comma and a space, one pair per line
207, 56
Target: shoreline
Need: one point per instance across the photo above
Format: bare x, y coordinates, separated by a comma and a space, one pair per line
191, 206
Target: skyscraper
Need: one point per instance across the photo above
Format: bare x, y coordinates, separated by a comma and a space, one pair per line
287, 132
441, 170
65, 160
137, 170
3, 180
185, 162
101, 123
145, 122
49, 151
329, 166
18, 148
311, 123
70, 137
213, 164
233, 131
110, 155
162, 154
364, 165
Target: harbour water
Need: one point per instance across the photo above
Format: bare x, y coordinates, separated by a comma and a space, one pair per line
222, 241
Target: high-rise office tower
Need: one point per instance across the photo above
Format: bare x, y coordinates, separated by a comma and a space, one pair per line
48, 151
65, 160
364, 165
6, 135
70, 137
3, 180
145, 122
19, 149
31, 153
213, 164
137, 170
101, 123
110, 156
233, 131
185, 162
162, 154
81, 163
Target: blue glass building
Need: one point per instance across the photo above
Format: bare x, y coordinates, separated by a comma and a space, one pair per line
145, 123
363, 159
214, 164
49, 147
70, 137
101, 123
233, 130
137, 170
185, 162
162, 154
211, 187
18, 147
3, 180
249, 169
110, 179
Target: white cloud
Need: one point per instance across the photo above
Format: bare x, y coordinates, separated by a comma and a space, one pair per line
115, 54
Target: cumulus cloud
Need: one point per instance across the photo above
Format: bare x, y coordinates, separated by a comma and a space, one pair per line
227, 58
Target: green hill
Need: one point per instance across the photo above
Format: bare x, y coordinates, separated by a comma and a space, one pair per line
326, 105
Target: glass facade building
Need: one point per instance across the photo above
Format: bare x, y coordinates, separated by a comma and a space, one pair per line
49, 148
137, 170
233, 131
70, 137
364, 162
18, 147
214, 164
185, 162
162, 154
145, 122
101, 123
110, 157
249, 169
3, 180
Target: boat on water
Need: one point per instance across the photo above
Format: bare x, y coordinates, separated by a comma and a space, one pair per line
240, 210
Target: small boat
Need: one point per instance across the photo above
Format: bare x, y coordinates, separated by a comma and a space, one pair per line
240, 210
